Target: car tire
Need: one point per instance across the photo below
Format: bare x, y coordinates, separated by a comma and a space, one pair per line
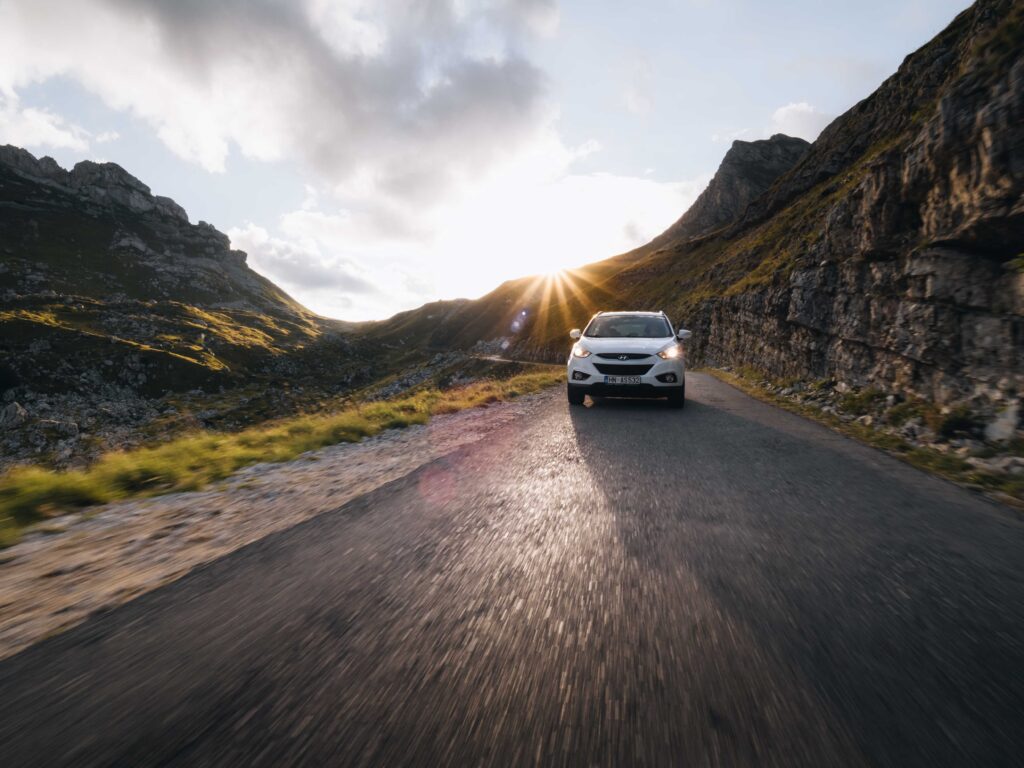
677, 397
576, 395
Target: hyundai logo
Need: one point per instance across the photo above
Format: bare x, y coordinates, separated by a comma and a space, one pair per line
623, 357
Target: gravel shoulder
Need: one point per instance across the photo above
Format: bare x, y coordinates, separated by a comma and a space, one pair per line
81, 564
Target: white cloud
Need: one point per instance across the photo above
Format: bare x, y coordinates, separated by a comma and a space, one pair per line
430, 143
29, 127
298, 264
524, 220
345, 86
799, 119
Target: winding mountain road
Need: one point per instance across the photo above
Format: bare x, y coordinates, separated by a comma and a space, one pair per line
615, 585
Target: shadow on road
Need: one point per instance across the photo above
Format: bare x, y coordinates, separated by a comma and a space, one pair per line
844, 566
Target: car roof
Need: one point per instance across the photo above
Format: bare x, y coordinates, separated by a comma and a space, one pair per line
650, 314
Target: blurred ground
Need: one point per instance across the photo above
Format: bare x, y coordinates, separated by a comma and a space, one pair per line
621, 584
102, 557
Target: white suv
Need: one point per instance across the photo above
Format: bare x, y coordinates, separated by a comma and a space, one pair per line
628, 354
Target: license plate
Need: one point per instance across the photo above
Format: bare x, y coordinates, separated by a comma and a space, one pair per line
621, 379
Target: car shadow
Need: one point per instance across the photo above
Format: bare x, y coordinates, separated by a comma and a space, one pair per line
628, 403
841, 565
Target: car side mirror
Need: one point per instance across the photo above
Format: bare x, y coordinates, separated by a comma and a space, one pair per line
683, 334
575, 333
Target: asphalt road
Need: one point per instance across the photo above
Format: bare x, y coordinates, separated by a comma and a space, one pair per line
617, 585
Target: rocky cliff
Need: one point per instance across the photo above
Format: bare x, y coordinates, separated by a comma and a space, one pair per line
748, 169
97, 231
104, 283
887, 257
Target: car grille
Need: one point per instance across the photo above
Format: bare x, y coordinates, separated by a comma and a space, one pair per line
623, 355
622, 370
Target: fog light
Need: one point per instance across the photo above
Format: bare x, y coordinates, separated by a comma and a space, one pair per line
580, 375
667, 378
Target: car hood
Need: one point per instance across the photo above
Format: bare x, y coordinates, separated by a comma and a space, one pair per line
648, 346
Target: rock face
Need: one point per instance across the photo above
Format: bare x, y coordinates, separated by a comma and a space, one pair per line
1004, 426
908, 217
747, 170
98, 231
12, 415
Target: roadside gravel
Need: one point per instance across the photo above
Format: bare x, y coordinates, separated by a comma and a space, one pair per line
84, 563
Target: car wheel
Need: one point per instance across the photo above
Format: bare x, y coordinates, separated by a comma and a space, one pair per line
576, 395
677, 398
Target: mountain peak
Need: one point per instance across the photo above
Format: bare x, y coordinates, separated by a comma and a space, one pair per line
99, 183
746, 171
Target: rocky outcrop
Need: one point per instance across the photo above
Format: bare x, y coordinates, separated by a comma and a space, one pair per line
908, 279
103, 184
103, 192
747, 170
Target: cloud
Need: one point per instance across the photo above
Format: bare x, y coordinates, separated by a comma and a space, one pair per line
29, 127
394, 91
297, 264
539, 17
800, 119
632, 233
427, 139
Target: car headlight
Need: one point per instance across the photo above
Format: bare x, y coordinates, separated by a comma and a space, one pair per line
578, 350
671, 353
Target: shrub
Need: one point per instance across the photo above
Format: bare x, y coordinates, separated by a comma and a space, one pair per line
862, 402
959, 420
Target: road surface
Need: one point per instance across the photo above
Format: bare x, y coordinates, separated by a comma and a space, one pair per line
618, 585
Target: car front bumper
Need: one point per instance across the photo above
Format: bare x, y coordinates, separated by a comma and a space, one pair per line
583, 374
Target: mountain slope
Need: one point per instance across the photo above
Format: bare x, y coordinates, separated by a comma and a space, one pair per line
747, 170
96, 269
886, 257
121, 322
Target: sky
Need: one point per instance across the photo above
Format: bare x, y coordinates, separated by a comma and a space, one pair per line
371, 156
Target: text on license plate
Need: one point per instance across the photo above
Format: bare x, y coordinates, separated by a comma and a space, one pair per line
621, 379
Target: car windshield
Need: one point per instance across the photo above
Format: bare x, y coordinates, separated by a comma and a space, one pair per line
628, 327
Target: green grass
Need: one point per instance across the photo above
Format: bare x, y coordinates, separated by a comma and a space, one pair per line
31, 494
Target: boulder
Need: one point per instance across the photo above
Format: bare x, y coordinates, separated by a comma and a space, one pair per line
1004, 426
12, 415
